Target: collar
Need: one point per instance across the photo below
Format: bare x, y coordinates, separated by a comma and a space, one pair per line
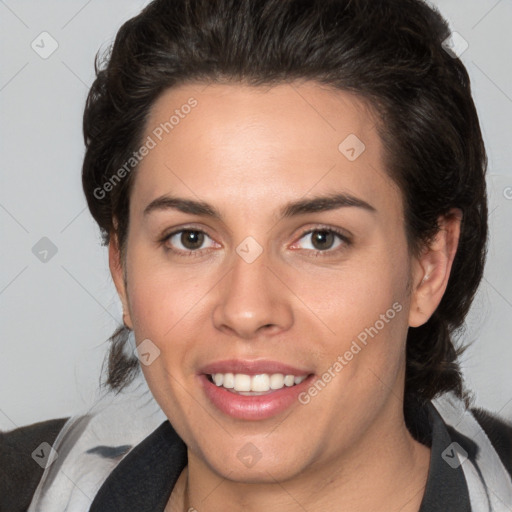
144, 479
446, 487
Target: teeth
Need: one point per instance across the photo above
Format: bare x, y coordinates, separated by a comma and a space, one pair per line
229, 380
276, 381
242, 382
261, 383
288, 380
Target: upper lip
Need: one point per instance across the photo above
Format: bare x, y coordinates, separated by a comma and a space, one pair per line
249, 367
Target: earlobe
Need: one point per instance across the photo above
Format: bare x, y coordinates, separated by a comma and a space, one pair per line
117, 272
431, 270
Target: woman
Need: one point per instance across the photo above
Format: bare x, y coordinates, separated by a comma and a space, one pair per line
293, 197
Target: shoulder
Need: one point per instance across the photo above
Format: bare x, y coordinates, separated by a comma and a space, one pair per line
19, 471
499, 433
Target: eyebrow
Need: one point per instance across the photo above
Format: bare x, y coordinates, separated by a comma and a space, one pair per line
292, 209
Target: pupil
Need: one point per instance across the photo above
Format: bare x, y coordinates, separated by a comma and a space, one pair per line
323, 237
192, 239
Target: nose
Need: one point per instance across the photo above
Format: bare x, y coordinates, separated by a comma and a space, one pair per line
252, 301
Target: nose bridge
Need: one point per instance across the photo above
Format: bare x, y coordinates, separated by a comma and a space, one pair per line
251, 297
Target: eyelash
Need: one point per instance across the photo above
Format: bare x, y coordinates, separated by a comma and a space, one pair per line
346, 242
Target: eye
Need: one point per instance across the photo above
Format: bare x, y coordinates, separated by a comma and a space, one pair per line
187, 241
323, 240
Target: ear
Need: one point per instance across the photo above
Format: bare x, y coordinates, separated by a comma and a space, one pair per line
116, 270
431, 270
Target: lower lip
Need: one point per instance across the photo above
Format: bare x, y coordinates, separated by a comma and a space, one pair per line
255, 407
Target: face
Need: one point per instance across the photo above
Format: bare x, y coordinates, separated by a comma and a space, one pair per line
237, 271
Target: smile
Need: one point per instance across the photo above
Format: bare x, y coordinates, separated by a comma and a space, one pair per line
253, 390
253, 385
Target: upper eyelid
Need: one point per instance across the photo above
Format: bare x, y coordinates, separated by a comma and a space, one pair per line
174, 231
337, 231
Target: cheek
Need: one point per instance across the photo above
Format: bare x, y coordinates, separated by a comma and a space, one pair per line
363, 311
159, 296
353, 296
164, 303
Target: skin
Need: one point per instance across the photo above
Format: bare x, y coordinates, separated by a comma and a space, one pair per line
248, 151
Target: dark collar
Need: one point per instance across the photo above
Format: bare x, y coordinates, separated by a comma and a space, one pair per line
144, 479
446, 487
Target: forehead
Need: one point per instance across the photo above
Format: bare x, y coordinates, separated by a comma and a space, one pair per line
224, 141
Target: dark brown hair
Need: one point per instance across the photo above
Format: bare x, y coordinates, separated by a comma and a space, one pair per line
388, 52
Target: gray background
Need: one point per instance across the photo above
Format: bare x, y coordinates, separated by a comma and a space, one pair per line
56, 314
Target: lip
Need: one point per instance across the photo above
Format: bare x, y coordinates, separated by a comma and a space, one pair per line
256, 407
252, 367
